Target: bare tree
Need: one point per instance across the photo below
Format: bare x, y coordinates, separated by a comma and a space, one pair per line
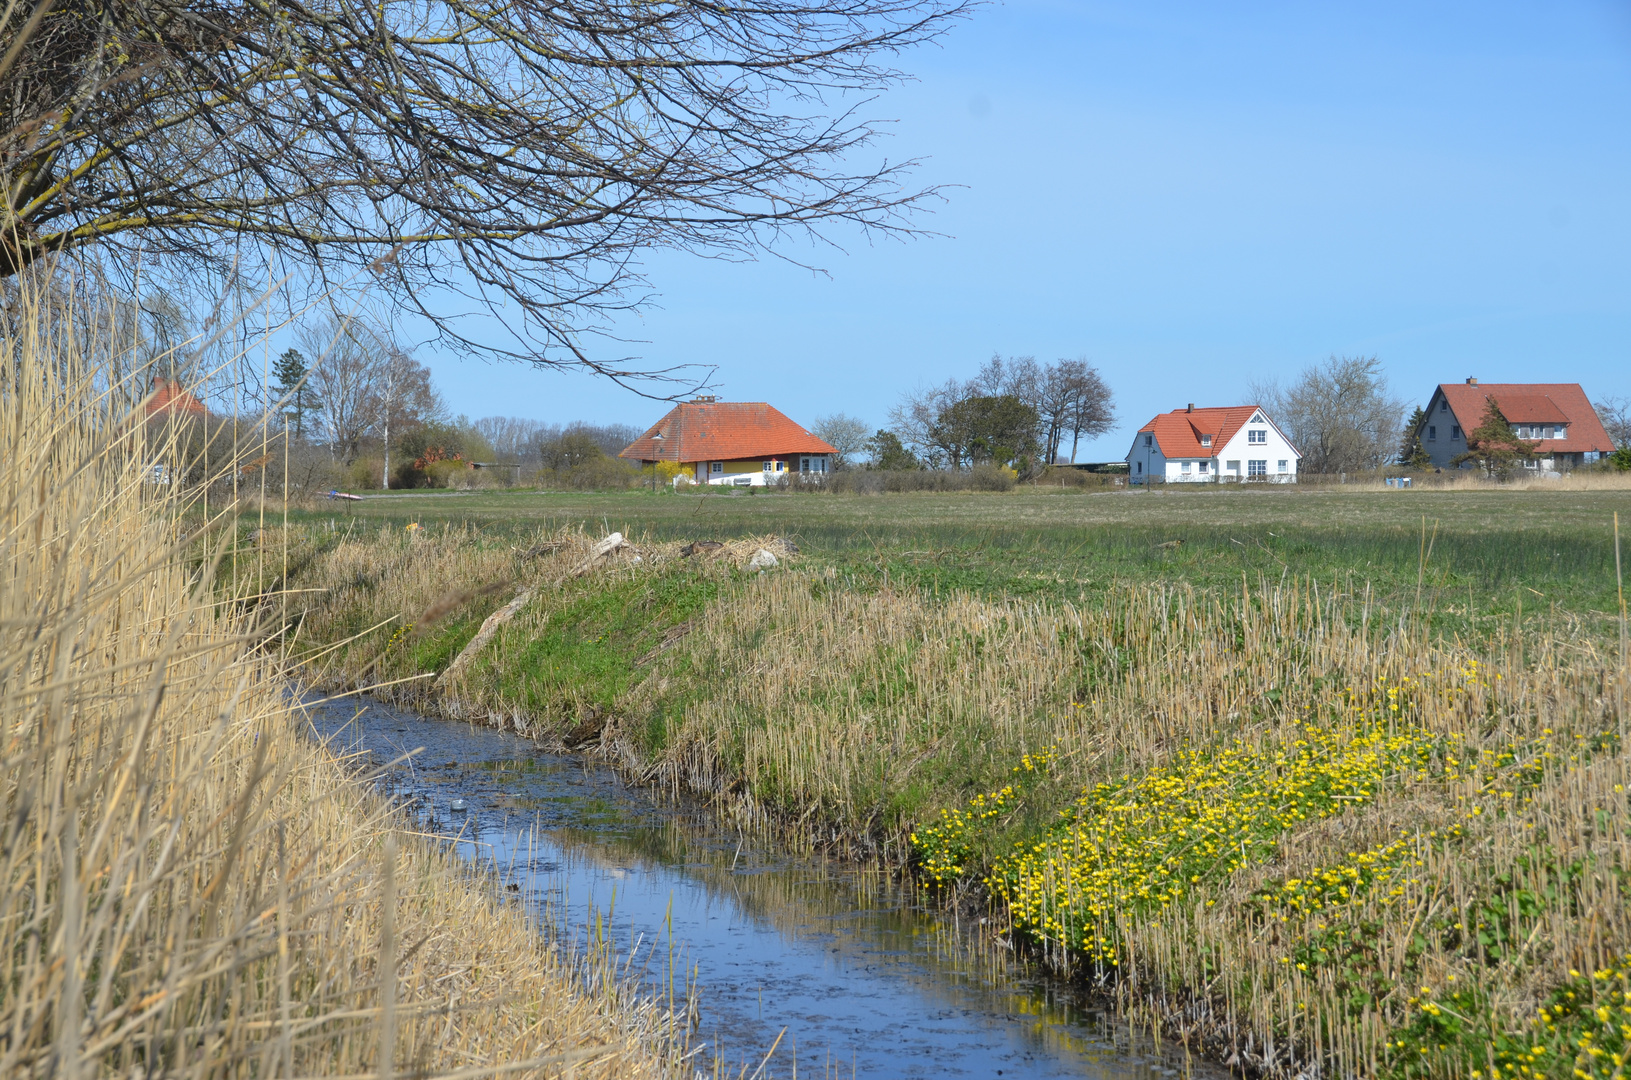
366, 386
510, 436
845, 434
1339, 414
522, 154
1615, 414
343, 379
915, 418
1075, 400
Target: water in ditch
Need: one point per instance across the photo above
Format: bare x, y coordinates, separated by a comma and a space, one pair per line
832, 966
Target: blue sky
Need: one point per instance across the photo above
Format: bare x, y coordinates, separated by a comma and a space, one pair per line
1192, 197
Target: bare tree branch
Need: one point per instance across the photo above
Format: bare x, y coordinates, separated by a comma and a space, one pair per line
521, 154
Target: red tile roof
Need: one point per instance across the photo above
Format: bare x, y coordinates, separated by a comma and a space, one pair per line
170, 398
1179, 432
1533, 403
723, 431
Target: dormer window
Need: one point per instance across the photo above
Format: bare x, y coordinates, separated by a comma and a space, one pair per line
1206, 440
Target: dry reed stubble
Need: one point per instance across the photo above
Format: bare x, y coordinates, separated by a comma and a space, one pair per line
189, 886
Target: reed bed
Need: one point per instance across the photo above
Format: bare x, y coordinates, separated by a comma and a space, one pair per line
1280, 823
190, 886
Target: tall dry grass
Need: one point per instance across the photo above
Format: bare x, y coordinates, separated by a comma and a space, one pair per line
189, 886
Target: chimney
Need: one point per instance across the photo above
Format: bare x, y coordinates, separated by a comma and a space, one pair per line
1191, 407
1472, 382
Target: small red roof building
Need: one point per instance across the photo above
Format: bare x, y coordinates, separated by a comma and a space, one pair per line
731, 442
170, 399
1557, 417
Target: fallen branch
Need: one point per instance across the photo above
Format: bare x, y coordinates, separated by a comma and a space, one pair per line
497, 619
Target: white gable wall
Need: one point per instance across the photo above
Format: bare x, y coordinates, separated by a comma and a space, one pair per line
1145, 458
1275, 456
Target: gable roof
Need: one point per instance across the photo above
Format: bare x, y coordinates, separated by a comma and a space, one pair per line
708, 430
170, 398
1179, 432
1532, 403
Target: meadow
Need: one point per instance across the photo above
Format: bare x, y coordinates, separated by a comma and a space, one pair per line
1315, 781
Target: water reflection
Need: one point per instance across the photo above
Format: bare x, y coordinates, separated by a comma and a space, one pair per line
846, 972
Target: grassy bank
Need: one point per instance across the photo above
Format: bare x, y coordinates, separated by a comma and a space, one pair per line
190, 886
1288, 818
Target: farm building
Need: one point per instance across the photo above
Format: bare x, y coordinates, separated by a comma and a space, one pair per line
170, 399
1557, 416
737, 443
1212, 445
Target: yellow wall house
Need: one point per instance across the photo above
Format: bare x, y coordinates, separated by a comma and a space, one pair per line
736, 443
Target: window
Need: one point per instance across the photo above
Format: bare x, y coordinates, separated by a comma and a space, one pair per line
1432, 431
1206, 440
1149, 440
1184, 466
1283, 464
1444, 405
1557, 432
1257, 468
717, 467
1455, 431
1138, 467
1205, 465
1257, 436
1258, 419
770, 466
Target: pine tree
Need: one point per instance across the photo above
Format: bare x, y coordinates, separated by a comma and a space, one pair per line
1494, 445
1411, 453
290, 372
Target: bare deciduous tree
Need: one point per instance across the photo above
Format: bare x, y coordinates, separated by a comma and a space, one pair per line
1615, 414
365, 385
844, 434
522, 154
1339, 414
511, 437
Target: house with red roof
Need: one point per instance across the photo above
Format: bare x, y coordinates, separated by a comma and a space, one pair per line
1211, 446
1555, 416
735, 443
170, 399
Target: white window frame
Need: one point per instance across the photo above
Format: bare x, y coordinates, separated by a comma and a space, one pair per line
1204, 465
1257, 436
1257, 467
716, 468
1283, 463
1183, 467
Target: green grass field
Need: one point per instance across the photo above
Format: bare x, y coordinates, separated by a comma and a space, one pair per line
1494, 554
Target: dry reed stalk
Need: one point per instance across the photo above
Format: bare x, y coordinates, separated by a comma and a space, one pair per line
189, 886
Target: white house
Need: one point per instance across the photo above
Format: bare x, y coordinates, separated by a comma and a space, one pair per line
1196, 446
